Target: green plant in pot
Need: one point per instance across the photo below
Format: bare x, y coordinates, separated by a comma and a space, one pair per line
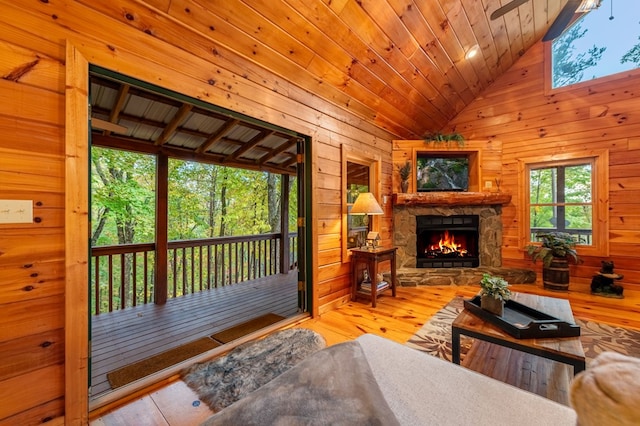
404, 172
555, 252
494, 291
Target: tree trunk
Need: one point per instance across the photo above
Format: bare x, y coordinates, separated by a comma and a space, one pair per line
273, 202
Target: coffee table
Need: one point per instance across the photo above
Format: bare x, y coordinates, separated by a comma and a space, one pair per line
567, 350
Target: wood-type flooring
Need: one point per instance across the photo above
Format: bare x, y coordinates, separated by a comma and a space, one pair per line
173, 403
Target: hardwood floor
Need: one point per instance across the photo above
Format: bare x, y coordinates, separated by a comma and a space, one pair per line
394, 318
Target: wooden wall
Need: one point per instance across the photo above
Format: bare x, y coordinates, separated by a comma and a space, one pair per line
601, 115
33, 284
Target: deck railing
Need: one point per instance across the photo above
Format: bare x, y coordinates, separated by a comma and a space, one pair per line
581, 236
123, 275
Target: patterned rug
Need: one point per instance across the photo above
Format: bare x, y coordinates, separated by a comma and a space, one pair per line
435, 336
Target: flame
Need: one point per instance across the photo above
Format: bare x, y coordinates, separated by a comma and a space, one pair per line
447, 244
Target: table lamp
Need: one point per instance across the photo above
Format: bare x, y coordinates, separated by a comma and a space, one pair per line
366, 204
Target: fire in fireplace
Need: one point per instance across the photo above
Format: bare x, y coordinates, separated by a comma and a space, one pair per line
447, 241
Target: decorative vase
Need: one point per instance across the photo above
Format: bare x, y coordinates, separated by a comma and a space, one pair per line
404, 185
556, 275
493, 305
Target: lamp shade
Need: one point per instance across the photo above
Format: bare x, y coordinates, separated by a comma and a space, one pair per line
366, 204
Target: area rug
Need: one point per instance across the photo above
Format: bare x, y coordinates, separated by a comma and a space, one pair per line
435, 336
145, 367
223, 381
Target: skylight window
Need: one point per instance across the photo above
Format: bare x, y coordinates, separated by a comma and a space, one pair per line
602, 42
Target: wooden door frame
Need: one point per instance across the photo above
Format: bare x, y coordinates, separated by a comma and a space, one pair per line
77, 232
76, 306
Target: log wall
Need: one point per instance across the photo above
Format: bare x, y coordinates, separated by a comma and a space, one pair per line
33, 39
532, 122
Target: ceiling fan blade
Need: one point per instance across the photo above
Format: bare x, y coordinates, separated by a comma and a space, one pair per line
563, 20
507, 8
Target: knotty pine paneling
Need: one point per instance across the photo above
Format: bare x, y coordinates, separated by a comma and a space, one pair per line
20, 356
130, 38
601, 114
18, 393
22, 282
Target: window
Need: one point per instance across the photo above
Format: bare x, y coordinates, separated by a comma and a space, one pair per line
561, 200
567, 195
602, 42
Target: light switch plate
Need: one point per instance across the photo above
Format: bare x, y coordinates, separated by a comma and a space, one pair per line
16, 211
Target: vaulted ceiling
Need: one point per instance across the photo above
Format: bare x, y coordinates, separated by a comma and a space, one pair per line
399, 64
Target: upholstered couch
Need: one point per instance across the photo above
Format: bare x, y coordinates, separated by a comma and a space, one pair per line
373, 380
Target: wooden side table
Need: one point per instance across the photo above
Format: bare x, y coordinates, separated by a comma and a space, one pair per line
371, 258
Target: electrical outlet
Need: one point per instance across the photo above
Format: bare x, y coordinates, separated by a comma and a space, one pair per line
488, 184
16, 211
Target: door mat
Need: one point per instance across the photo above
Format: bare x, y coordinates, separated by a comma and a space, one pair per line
255, 324
145, 367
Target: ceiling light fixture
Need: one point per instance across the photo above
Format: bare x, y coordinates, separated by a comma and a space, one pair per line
473, 51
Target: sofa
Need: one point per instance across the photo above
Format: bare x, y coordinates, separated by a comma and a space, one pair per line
373, 380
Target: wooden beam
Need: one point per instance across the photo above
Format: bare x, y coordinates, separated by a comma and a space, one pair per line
251, 144
215, 137
117, 106
99, 124
173, 124
282, 148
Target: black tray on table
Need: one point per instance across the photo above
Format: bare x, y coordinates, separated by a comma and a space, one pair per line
523, 322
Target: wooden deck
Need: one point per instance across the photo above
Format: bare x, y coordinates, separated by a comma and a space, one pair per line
123, 337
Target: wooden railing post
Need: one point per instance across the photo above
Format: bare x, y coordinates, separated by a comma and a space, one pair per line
284, 225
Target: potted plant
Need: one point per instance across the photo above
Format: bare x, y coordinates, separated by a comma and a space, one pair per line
494, 291
437, 137
555, 251
405, 172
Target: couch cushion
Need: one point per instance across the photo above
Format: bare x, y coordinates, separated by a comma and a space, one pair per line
423, 389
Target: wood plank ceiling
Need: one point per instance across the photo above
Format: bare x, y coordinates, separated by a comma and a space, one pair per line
399, 64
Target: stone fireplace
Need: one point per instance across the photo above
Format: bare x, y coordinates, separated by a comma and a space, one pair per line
487, 207
469, 213
489, 234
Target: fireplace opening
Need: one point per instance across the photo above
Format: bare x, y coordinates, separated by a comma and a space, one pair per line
447, 241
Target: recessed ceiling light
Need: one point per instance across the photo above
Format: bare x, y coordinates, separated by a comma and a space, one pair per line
473, 51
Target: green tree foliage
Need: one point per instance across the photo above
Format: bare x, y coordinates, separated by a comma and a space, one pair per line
208, 201
568, 65
577, 197
633, 55
123, 197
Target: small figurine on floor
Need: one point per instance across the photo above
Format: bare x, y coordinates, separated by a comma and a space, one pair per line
603, 284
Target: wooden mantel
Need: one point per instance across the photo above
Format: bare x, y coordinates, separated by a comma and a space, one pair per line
451, 198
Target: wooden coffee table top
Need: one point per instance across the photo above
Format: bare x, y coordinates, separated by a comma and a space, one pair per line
565, 347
